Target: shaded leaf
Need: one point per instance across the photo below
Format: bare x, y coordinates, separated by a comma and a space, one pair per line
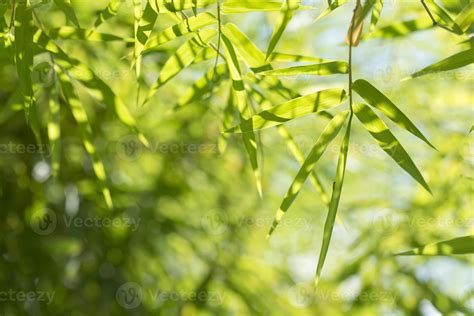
465, 19
377, 128
54, 133
66, 7
327, 68
109, 12
379, 101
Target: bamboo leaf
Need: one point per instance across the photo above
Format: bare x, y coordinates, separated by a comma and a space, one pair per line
182, 58
245, 6
354, 33
334, 203
332, 6
82, 121
379, 101
377, 128
240, 97
457, 246
180, 5
109, 12
323, 69
89, 79
456, 61
68, 10
286, 14
442, 17
54, 133
186, 26
326, 137
144, 27
465, 19
73, 33
376, 11
283, 57
312, 103
400, 29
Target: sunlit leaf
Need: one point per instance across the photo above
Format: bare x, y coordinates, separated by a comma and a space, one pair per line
354, 33
312, 103
376, 12
109, 12
334, 203
323, 69
453, 62
379, 101
66, 7
377, 128
282, 57
333, 6
73, 33
326, 137
457, 246
442, 17
465, 19
400, 29
54, 133
244, 6
180, 5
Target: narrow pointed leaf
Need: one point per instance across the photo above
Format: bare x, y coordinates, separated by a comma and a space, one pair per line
109, 12
144, 27
245, 6
465, 19
333, 6
384, 137
312, 103
354, 33
282, 57
80, 115
442, 17
400, 29
286, 14
326, 137
334, 203
182, 58
185, 27
323, 69
457, 246
73, 33
66, 7
456, 61
180, 5
376, 12
379, 101
54, 133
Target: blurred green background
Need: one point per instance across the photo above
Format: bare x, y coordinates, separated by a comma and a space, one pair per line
187, 234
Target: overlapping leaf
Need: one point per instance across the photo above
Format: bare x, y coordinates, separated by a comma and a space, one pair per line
442, 17
378, 100
333, 6
322, 69
326, 137
376, 12
384, 137
109, 12
457, 246
66, 7
286, 14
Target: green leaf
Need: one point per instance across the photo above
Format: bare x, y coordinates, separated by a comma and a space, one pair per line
23, 44
227, 120
240, 97
180, 5
182, 58
453, 62
109, 12
457, 246
379, 101
334, 204
245, 6
333, 6
73, 33
287, 11
442, 17
377, 128
90, 80
143, 27
66, 7
54, 133
283, 57
326, 137
400, 29
465, 19
312, 103
80, 115
323, 69
376, 11
185, 27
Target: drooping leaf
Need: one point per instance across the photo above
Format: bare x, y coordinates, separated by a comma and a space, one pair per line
311, 103
442, 17
89, 79
456, 61
457, 246
379, 101
400, 29
240, 98
287, 11
334, 203
323, 69
66, 7
376, 11
180, 5
187, 26
332, 6
384, 137
326, 137
283, 57
182, 58
80, 115
23, 45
